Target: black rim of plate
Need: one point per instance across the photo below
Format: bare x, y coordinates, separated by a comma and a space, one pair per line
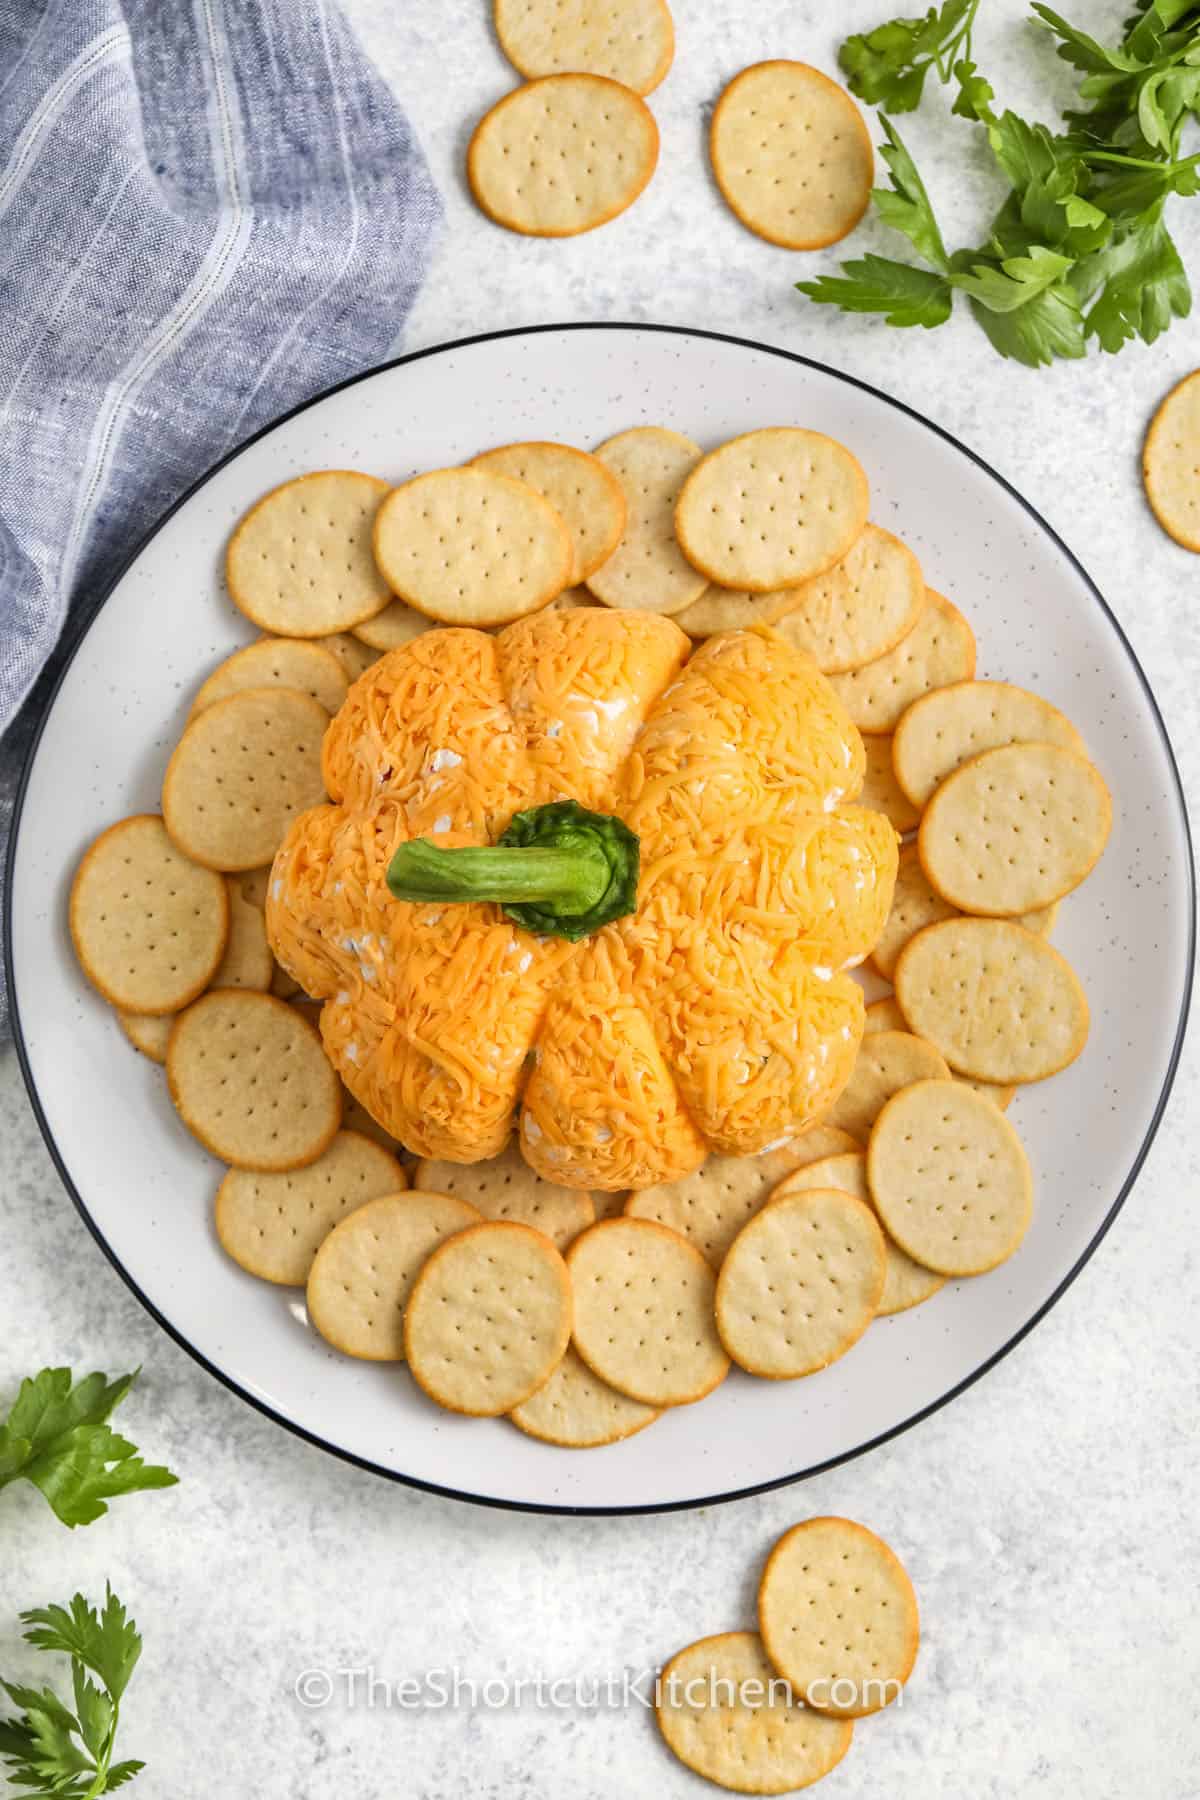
762, 1487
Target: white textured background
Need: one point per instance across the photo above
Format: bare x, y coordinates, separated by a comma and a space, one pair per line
1048, 1517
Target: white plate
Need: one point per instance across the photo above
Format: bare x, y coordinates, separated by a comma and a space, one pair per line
145, 1187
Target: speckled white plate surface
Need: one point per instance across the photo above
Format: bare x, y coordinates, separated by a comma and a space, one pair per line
145, 1187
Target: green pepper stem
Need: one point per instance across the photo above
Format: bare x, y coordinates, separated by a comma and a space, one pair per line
570, 880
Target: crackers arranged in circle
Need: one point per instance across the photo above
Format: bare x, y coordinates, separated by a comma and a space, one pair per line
949, 726
247, 962
839, 1617
278, 662
725, 1713
562, 155
644, 1312
861, 608
886, 1062
880, 789
771, 508
800, 1283
149, 927
939, 649
792, 155
1000, 1003
648, 572
906, 1283
242, 771
148, 1032
584, 493
300, 563
391, 629
505, 1187
578, 1411
630, 41
1171, 463
470, 547
249, 1079
1015, 829
274, 1224
488, 1319
363, 1273
950, 1178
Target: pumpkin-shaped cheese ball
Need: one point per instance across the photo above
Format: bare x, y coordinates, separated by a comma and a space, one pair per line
581, 881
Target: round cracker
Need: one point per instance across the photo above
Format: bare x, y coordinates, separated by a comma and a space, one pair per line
1171, 463
644, 1312
242, 771
861, 608
362, 1275
648, 572
488, 1319
585, 494
277, 662
771, 508
274, 1224
300, 563
394, 627
148, 1032
1000, 1003
950, 1178
939, 650
578, 1411
723, 1712
505, 1187
149, 927
562, 155
630, 41
470, 547
801, 1283
792, 155
355, 656
914, 905
249, 1079
835, 1603
1015, 829
724, 609
886, 1062
880, 789
247, 962
884, 1015
906, 1283
946, 728
355, 1116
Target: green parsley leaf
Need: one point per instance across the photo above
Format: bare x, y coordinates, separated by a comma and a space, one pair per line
1080, 50
875, 284
108, 1644
888, 66
1013, 281
57, 1437
906, 205
1046, 327
975, 95
1141, 285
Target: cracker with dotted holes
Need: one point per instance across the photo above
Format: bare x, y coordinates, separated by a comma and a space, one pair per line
585, 494
488, 1319
277, 662
394, 627
242, 771
630, 41
274, 1224
470, 547
362, 1274
792, 155
648, 572
999, 1002
710, 1206
801, 1283
725, 1713
915, 905
250, 1080
578, 1411
885, 1015
355, 656
881, 791
906, 1284
562, 155
724, 609
835, 1604
247, 962
771, 509
948, 727
148, 1032
1171, 463
300, 563
505, 1187
355, 1117
861, 608
950, 1178
1015, 829
886, 1062
149, 927
644, 1312
939, 650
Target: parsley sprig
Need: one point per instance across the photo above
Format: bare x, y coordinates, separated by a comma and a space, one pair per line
57, 1436
1079, 250
50, 1751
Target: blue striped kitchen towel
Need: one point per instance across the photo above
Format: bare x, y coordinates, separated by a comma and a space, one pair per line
209, 210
